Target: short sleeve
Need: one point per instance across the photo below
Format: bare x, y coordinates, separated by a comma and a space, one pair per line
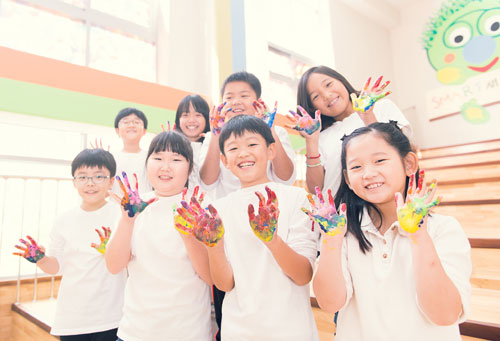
301, 238
57, 243
385, 110
453, 249
287, 146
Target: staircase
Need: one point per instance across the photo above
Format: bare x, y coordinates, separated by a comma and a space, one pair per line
469, 181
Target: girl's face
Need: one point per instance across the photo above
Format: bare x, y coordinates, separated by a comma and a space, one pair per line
167, 172
192, 123
329, 96
375, 170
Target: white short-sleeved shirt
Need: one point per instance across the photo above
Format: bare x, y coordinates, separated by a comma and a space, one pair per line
194, 177
265, 304
164, 297
131, 163
330, 143
382, 301
90, 298
228, 182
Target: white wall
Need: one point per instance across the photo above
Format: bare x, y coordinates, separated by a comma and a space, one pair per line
186, 43
362, 47
414, 76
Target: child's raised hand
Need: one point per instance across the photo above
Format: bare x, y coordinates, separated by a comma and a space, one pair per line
218, 118
131, 201
179, 222
419, 201
262, 111
31, 250
169, 128
207, 228
325, 214
98, 144
304, 122
368, 97
265, 223
104, 237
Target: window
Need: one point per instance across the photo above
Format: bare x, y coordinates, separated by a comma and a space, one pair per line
117, 36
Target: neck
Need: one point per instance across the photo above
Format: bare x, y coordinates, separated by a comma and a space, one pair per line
194, 138
254, 183
131, 147
92, 206
348, 111
389, 216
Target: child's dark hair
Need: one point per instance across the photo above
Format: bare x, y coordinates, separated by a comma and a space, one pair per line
94, 158
246, 77
393, 135
199, 105
304, 100
174, 142
243, 123
129, 111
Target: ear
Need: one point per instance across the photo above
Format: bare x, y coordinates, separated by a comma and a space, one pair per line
117, 131
111, 181
346, 178
271, 151
224, 160
410, 163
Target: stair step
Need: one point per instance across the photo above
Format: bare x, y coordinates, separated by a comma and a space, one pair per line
486, 269
477, 147
473, 193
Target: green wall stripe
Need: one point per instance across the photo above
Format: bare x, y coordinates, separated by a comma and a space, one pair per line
44, 101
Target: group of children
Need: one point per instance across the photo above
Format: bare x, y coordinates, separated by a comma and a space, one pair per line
392, 270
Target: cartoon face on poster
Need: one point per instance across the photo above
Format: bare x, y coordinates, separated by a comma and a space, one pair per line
463, 46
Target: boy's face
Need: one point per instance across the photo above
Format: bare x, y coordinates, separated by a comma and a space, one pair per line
167, 172
131, 128
95, 190
246, 156
239, 96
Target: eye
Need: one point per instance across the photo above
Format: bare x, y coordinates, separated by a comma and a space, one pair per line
232, 149
381, 160
328, 84
458, 35
491, 25
100, 177
314, 97
355, 167
81, 178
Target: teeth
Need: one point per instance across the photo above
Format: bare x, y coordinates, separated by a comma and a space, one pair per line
164, 177
372, 186
333, 102
246, 164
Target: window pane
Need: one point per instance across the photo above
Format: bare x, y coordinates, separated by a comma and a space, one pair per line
41, 32
137, 11
117, 53
284, 93
280, 63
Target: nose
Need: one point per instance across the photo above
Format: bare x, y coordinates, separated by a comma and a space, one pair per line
242, 152
479, 49
165, 165
369, 172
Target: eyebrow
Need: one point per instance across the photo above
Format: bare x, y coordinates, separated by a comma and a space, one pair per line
374, 154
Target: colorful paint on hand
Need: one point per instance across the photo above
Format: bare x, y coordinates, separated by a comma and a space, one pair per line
325, 214
267, 116
304, 122
368, 96
104, 237
179, 222
31, 250
418, 204
264, 224
206, 225
217, 118
131, 201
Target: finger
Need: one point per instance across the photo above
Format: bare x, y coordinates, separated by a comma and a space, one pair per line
121, 186
431, 191
319, 195
376, 98
201, 198
115, 196
398, 197
317, 115
136, 183
24, 242
101, 236
306, 211
125, 178
271, 196
251, 212
354, 98
383, 86
196, 205
18, 254
32, 241
20, 247
162, 127
411, 185
330, 198
195, 192
367, 84
377, 83
311, 201
296, 116
91, 145
303, 112
213, 211
435, 202
262, 200
186, 216
184, 191
107, 232
150, 201
95, 246
421, 176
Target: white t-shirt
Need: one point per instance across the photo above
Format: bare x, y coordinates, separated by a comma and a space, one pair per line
164, 297
194, 177
330, 143
228, 182
90, 298
131, 163
382, 301
265, 304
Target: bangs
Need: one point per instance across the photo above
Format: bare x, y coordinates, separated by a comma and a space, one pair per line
174, 142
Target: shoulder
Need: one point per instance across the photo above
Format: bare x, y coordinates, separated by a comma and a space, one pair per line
442, 226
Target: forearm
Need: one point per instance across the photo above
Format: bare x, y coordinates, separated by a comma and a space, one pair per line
209, 171
220, 269
437, 295
329, 283
295, 266
118, 249
368, 117
198, 255
282, 164
49, 265
315, 176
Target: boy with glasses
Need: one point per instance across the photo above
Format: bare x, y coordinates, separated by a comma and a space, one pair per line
131, 125
90, 298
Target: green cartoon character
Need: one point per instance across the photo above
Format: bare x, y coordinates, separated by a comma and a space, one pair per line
463, 40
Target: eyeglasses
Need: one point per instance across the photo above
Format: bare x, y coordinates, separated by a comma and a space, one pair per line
131, 123
83, 179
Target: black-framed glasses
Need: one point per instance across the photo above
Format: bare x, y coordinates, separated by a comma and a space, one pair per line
83, 179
